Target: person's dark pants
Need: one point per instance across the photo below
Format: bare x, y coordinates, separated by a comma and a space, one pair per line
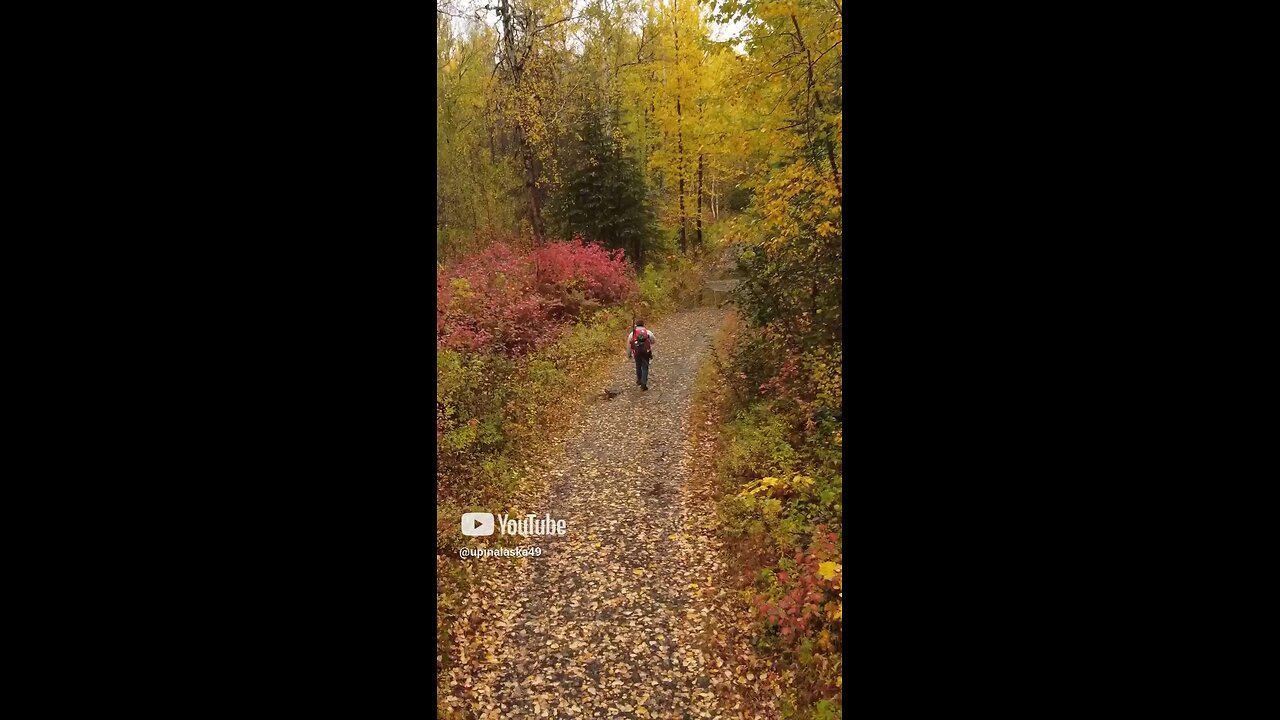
642, 371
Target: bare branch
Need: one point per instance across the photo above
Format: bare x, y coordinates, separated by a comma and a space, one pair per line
642, 61
791, 54
784, 70
540, 28
824, 52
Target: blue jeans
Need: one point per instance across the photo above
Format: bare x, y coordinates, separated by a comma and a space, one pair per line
642, 370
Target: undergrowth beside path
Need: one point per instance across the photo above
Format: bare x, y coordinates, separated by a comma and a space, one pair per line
775, 482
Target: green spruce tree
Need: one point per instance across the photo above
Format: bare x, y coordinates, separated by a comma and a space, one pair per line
603, 196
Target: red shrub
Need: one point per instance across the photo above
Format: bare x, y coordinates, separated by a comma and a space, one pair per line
600, 275
505, 300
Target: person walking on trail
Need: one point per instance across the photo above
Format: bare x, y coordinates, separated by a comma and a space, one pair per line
640, 345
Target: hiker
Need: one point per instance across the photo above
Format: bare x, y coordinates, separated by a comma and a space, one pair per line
640, 344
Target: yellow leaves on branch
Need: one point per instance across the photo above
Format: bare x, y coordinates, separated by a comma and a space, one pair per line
771, 10
776, 487
799, 200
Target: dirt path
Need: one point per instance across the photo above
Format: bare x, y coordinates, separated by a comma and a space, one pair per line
612, 619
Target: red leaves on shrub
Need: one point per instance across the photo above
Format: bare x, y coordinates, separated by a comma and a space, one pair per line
779, 384
600, 275
799, 607
507, 300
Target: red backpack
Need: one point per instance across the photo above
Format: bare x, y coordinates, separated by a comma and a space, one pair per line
636, 342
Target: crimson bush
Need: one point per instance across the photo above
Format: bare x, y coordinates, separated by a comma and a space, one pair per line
510, 301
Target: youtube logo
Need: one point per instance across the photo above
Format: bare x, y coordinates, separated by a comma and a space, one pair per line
477, 524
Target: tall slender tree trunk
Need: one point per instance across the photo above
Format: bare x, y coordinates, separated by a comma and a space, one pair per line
531, 186
699, 199
644, 138
715, 196
684, 243
529, 162
675, 26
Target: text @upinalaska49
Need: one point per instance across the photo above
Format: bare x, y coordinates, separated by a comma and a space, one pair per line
515, 552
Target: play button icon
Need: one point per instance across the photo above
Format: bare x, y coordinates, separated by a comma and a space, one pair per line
477, 524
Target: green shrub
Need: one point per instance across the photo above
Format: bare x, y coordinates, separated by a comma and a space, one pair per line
684, 280
757, 446
655, 291
587, 341
674, 283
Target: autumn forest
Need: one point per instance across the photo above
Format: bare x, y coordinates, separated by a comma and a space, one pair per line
600, 162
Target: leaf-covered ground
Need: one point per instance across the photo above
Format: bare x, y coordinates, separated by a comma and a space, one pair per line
626, 615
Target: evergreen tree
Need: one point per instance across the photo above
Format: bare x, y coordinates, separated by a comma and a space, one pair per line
603, 196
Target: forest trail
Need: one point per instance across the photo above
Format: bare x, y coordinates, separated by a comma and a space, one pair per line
622, 616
